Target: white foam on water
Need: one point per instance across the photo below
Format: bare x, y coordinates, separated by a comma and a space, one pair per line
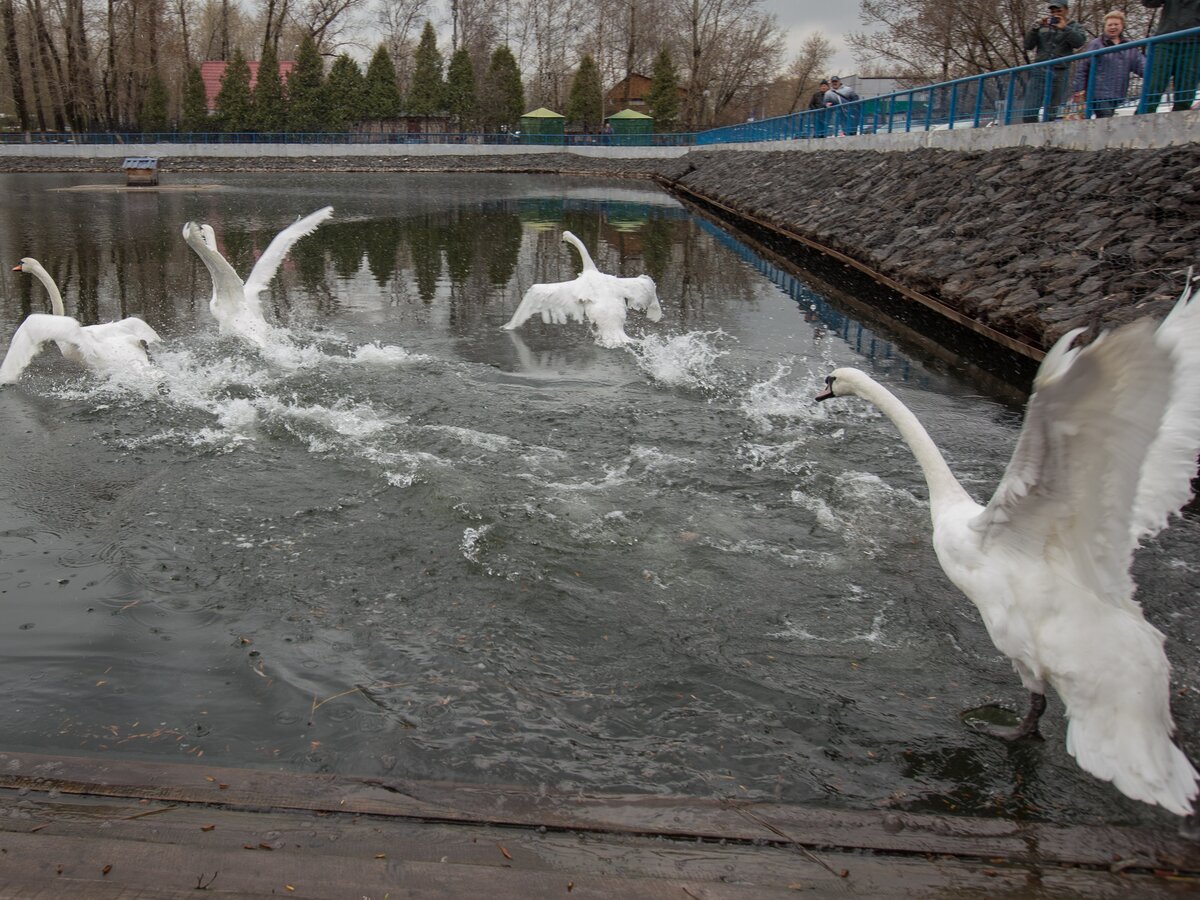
781, 400
682, 360
470, 542
640, 461
865, 510
383, 355
494, 443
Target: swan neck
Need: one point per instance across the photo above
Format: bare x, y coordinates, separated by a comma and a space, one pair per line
56, 302
583, 251
943, 486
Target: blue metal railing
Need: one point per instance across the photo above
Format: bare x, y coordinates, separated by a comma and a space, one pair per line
1044, 91
669, 139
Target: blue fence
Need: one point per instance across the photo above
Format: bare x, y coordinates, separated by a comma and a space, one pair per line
681, 139
1097, 83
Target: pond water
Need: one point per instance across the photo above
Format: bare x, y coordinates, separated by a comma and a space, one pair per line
402, 541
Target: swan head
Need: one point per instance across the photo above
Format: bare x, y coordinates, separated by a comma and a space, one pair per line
25, 264
842, 383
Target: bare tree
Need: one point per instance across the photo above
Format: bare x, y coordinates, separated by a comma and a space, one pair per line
807, 68
328, 21
12, 56
937, 40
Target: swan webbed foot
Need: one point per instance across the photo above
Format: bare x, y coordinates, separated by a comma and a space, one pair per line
984, 720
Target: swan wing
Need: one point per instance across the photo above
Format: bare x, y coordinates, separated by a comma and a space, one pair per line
131, 329
1166, 481
28, 339
641, 294
556, 303
268, 264
1067, 496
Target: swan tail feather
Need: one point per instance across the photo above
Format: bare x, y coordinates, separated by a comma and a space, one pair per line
1120, 727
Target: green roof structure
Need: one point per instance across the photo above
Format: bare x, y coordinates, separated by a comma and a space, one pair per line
542, 126
631, 128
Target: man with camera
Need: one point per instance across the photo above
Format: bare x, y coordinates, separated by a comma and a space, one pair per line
1053, 37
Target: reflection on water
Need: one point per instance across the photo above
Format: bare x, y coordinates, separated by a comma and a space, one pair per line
398, 539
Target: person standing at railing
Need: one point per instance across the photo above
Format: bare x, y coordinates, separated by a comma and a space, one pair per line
1053, 37
845, 119
1109, 72
817, 101
1174, 61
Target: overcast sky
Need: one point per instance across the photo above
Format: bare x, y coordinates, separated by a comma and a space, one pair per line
800, 18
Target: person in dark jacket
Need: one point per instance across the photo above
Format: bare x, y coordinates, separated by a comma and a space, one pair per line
1053, 37
1174, 61
1104, 80
817, 101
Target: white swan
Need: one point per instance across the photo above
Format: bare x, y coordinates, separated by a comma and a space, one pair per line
235, 304
1105, 456
592, 297
106, 348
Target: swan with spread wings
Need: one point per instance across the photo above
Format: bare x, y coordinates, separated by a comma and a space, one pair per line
236, 304
105, 348
1106, 455
594, 297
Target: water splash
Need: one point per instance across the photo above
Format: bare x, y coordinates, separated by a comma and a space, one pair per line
781, 400
682, 360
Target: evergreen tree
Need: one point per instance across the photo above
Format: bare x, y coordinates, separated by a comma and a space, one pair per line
381, 96
460, 89
585, 105
194, 113
343, 94
503, 94
664, 91
306, 89
234, 110
154, 106
270, 113
428, 90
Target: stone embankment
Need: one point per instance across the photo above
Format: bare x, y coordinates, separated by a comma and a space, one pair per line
1031, 242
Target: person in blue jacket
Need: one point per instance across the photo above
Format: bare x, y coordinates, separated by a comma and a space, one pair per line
1053, 37
1104, 80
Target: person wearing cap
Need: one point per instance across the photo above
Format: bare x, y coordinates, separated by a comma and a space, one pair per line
1053, 37
1104, 79
846, 120
1174, 61
817, 101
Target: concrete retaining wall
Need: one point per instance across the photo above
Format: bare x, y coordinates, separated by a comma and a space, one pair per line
1124, 132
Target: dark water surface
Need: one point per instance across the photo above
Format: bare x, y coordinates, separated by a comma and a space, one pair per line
400, 540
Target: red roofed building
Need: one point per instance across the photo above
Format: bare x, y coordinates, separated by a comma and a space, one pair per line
213, 70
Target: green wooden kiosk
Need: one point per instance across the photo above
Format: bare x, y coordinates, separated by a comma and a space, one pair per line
542, 126
631, 128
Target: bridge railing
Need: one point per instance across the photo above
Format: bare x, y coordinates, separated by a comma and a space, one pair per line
1045, 91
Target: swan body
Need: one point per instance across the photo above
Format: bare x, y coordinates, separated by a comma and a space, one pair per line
1106, 454
105, 348
594, 297
234, 303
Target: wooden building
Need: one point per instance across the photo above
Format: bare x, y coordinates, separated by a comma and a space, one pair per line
639, 94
